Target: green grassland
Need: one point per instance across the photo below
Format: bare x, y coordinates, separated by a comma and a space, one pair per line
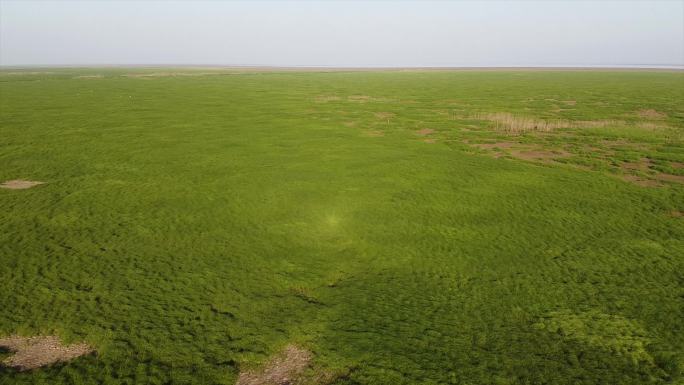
195, 222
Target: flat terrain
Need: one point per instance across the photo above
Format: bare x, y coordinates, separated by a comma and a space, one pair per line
223, 226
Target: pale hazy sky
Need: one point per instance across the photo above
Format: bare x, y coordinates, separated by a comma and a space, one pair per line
342, 33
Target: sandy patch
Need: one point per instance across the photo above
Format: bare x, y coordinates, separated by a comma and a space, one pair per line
425, 131
651, 114
34, 352
283, 369
19, 184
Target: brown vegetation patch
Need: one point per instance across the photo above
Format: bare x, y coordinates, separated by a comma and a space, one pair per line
374, 133
284, 369
175, 74
570, 102
34, 352
512, 124
677, 164
651, 114
384, 115
19, 184
644, 164
637, 180
538, 155
89, 77
425, 131
670, 177
430, 140
366, 99
501, 145
677, 214
326, 98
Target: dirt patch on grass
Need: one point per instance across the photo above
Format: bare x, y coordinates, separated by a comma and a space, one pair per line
639, 181
570, 102
430, 140
670, 178
284, 369
425, 131
651, 114
367, 99
676, 214
34, 352
677, 165
644, 164
501, 145
326, 98
539, 155
19, 184
384, 115
374, 133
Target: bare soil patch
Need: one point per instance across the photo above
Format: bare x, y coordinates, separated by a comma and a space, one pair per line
637, 180
19, 184
501, 145
651, 114
284, 369
677, 214
425, 131
677, 164
570, 102
430, 140
34, 352
644, 164
670, 177
538, 155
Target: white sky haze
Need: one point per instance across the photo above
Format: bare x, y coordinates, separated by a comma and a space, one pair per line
342, 33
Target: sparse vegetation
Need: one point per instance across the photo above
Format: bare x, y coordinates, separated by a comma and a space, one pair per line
196, 225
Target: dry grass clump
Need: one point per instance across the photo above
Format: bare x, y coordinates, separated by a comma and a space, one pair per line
283, 369
651, 114
19, 184
34, 352
512, 124
326, 98
425, 131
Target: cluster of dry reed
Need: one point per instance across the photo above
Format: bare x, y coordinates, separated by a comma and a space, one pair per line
512, 124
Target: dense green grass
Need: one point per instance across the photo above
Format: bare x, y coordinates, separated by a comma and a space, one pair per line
191, 226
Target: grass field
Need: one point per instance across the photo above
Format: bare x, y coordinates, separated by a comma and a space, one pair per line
404, 227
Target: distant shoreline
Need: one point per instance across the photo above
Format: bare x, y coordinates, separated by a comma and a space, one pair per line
312, 68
